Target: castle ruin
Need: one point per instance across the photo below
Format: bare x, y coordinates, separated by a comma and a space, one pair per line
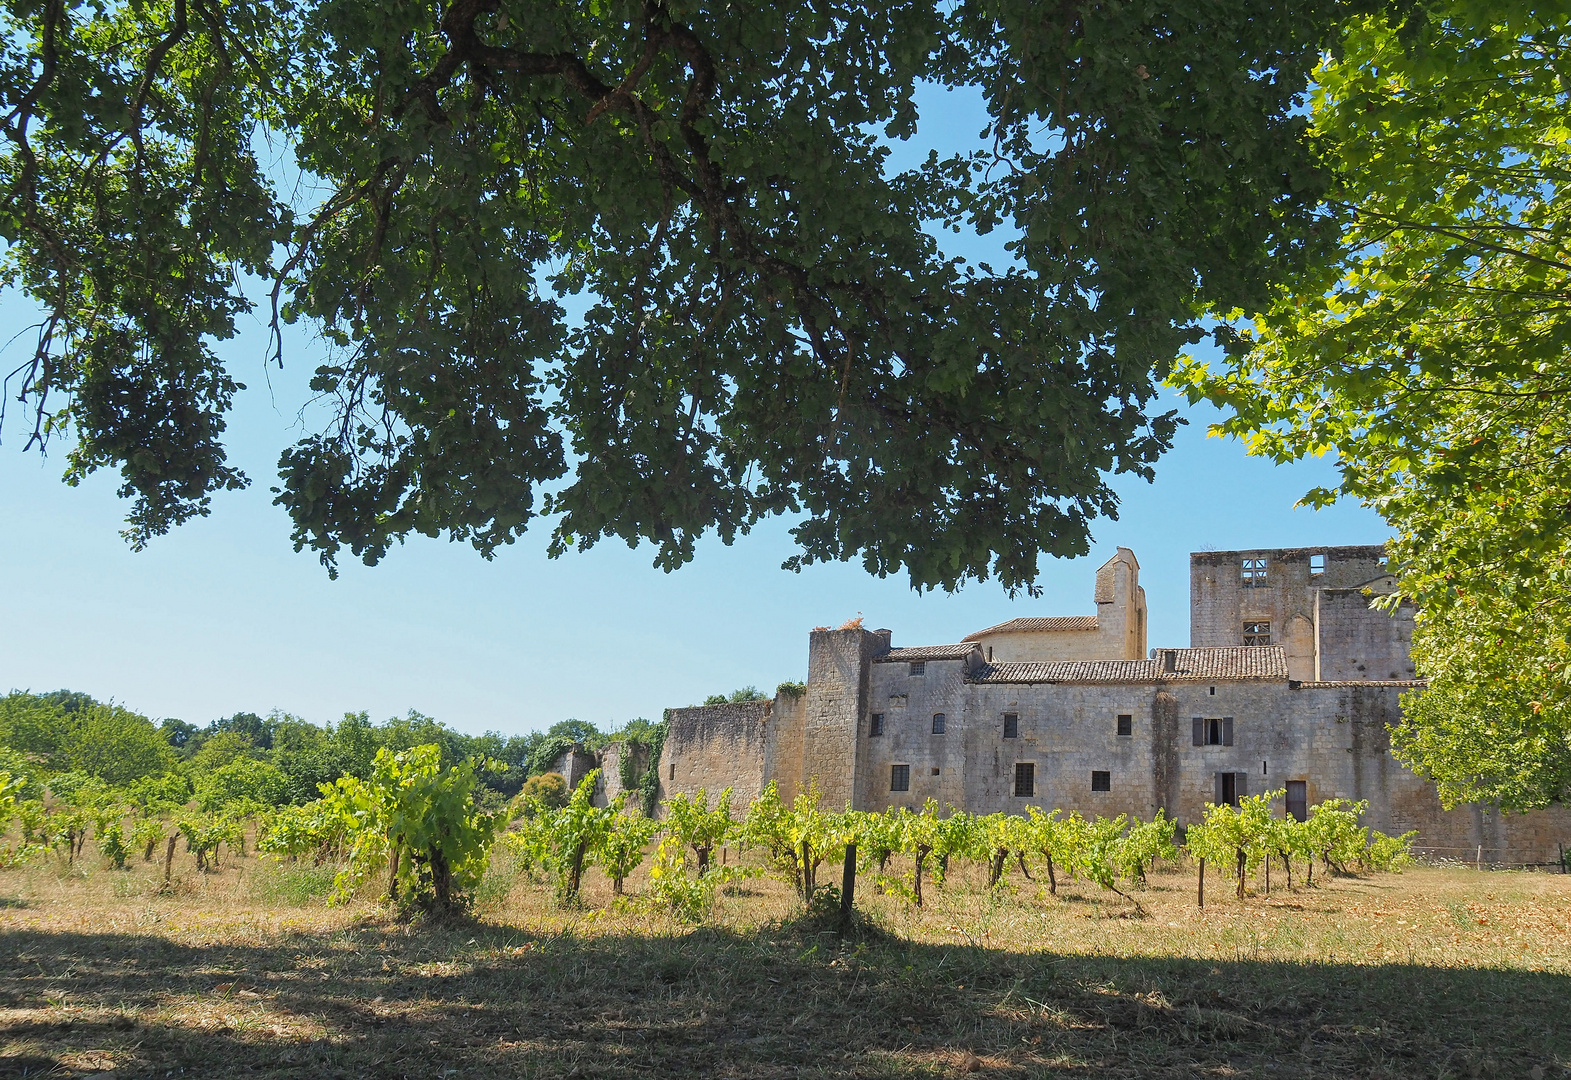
1290, 683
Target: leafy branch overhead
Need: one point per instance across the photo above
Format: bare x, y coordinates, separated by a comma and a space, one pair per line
770, 326
1431, 351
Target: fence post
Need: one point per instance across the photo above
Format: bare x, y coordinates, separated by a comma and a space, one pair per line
169, 860
1202, 891
847, 888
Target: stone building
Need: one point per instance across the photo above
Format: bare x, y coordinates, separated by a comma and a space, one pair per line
1290, 683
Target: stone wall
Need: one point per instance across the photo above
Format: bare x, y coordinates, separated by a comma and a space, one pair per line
714, 747
1023, 647
609, 785
1220, 603
573, 764
833, 710
1357, 642
1331, 736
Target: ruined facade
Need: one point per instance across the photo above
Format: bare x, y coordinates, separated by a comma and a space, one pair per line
1290, 683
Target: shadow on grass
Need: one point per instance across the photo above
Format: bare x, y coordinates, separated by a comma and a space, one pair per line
483, 1001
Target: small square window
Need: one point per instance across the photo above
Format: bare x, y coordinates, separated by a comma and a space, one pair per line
1254, 573
935, 770
1126, 724
1257, 633
938, 723
1101, 781
877, 726
1011, 725
899, 778
1025, 779
919, 667
673, 770
1317, 565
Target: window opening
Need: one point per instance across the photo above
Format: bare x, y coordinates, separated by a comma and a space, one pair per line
1227, 789
1126, 724
1317, 565
1298, 800
673, 770
1025, 779
938, 723
899, 778
1213, 731
1213, 691
1011, 725
918, 667
1257, 633
1101, 780
989, 654
935, 770
1254, 573
877, 726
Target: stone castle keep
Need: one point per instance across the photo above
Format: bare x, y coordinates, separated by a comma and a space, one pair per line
1289, 683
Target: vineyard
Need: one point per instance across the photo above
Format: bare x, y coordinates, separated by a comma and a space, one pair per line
399, 925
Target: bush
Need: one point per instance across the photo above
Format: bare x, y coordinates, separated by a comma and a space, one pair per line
547, 789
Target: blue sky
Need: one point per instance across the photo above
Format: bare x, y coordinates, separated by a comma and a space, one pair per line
222, 616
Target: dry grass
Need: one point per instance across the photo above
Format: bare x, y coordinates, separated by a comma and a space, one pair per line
1436, 972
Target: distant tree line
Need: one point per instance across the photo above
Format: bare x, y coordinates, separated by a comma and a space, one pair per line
272, 760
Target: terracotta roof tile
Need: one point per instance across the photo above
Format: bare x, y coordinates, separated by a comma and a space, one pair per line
1050, 624
1069, 671
1189, 665
927, 652
1229, 662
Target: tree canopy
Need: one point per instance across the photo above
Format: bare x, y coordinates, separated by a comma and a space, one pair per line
1431, 351
771, 327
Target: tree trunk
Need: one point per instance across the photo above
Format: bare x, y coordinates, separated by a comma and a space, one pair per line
147, 852
921, 857
392, 875
575, 873
1268, 875
169, 859
1242, 862
995, 872
616, 886
1052, 878
1020, 857
943, 866
1309, 883
441, 883
703, 858
847, 889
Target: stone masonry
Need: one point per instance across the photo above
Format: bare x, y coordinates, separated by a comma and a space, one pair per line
1292, 682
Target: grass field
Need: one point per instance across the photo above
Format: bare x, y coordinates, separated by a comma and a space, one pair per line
1431, 973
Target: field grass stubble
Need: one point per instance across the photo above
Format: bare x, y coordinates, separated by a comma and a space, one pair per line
1437, 972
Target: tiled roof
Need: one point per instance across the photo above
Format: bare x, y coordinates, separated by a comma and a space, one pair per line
1069, 671
1229, 662
927, 652
1190, 665
1050, 624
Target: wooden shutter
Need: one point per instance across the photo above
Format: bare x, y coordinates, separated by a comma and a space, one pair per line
1240, 784
1221, 791
1200, 730
1227, 731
